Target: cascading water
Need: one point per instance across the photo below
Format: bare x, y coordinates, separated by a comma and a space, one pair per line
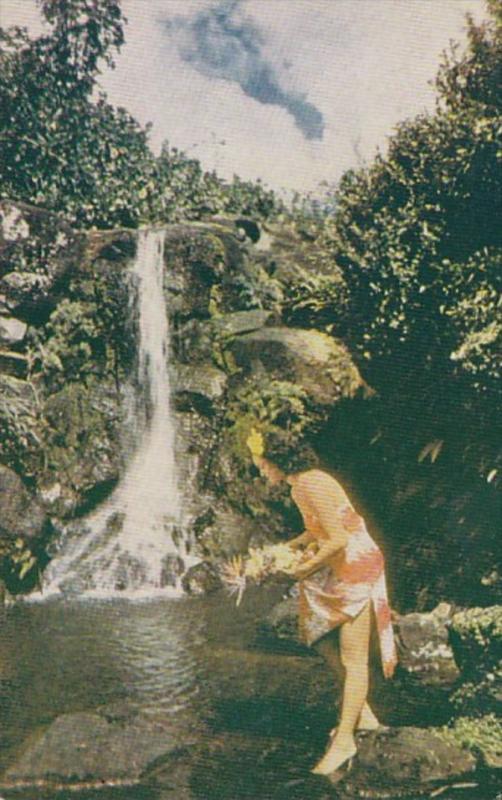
134, 543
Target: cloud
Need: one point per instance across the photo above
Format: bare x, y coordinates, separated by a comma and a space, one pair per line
221, 43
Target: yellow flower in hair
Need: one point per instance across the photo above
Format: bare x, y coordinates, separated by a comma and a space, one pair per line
255, 443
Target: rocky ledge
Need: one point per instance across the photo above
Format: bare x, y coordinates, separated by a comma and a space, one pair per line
122, 749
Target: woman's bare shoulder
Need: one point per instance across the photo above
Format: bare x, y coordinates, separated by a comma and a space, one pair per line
314, 480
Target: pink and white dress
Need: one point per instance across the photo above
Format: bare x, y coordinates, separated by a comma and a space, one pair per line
354, 577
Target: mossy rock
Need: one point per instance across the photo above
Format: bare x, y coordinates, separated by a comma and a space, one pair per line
476, 639
480, 696
311, 359
195, 258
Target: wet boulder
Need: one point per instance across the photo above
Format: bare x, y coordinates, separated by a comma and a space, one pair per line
221, 532
279, 629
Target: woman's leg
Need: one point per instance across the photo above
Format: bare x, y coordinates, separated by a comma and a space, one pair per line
368, 721
354, 654
329, 649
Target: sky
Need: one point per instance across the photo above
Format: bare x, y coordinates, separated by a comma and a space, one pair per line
293, 92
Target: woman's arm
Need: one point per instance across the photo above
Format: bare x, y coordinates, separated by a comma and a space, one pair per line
323, 555
318, 494
304, 538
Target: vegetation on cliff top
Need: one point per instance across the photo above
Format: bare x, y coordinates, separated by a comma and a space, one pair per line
67, 149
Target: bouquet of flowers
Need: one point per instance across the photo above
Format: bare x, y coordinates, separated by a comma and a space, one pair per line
258, 564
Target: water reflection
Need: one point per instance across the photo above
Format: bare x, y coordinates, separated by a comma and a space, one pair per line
187, 662
61, 657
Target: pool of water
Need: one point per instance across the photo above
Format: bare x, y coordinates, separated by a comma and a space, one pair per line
190, 659
167, 658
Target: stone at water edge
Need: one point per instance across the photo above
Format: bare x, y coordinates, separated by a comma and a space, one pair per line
98, 747
407, 758
280, 628
201, 579
424, 652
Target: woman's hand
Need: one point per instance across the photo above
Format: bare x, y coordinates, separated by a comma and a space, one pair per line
325, 552
301, 572
302, 540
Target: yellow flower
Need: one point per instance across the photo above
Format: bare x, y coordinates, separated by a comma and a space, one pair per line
255, 442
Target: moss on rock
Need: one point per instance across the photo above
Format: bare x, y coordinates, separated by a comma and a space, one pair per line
482, 737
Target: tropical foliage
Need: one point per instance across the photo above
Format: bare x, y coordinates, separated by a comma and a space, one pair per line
417, 236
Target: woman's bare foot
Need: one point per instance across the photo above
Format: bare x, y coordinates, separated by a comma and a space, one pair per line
337, 754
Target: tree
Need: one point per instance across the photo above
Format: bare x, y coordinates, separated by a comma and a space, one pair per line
64, 147
60, 149
187, 191
417, 236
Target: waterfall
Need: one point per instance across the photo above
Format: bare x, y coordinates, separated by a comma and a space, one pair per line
134, 542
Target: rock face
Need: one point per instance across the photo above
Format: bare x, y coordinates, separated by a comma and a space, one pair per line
221, 532
22, 516
66, 329
199, 387
12, 331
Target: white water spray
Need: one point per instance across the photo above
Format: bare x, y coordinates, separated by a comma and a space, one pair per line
128, 544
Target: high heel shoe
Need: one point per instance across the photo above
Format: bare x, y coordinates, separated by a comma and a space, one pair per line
328, 765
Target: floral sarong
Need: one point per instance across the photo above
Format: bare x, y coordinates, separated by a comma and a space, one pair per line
354, 578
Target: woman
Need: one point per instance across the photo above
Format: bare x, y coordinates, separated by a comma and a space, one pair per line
341, 581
